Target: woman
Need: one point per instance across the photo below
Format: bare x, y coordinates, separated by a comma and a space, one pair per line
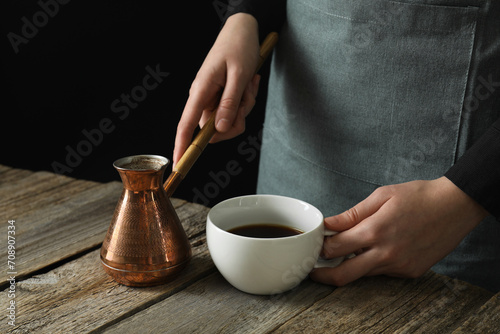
368, 99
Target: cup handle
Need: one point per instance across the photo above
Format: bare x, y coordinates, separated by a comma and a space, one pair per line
329, 233
331, 263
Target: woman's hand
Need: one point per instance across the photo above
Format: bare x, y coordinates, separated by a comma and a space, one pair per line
226, 81
399, 230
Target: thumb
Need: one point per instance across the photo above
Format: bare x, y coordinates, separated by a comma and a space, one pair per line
357, 213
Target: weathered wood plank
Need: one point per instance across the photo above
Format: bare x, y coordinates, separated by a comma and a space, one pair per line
23, 190
62, 229
212, 305
11, 176
430, 304
192, 216
57, 217
79, 297
62, 221
7, 171
4, 168
31, 184
50, 196
486, 320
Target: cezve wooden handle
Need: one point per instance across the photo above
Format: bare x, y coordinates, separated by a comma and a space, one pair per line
207, 132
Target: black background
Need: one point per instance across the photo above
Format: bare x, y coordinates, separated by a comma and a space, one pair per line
64, 78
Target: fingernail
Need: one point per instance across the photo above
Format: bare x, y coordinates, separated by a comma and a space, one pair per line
223, 125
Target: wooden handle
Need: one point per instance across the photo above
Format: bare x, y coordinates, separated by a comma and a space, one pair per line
266, 48
207, 132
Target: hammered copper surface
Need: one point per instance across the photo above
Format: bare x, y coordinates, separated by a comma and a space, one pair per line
145, 244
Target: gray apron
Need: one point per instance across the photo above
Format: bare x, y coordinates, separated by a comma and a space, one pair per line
365, 93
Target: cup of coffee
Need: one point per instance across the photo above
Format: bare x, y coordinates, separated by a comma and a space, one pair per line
265, 244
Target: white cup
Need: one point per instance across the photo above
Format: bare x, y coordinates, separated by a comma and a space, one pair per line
265, 266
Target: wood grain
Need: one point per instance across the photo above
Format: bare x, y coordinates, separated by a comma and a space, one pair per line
61, 287
212, 305
64, 227
371, 305
4, 168
485, 320
79, 293
390, 305
59, 217
81, 297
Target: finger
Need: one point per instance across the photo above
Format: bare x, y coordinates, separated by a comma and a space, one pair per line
353, 236
348, 242
237, 128
358, 213
201, 96
246, 105
182, 140
255, 85
205, 116
347, 272
229, 102
249, 95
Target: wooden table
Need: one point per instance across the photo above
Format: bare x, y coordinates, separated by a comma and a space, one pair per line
60, 287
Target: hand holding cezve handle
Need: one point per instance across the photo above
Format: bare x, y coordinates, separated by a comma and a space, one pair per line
206, 133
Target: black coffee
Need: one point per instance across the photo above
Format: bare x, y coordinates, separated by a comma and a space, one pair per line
265, 231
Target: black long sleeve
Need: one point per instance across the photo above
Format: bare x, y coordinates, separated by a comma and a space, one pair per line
477, 172
270, 15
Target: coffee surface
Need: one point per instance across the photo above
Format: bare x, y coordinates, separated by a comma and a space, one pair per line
143, 164
265, 230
